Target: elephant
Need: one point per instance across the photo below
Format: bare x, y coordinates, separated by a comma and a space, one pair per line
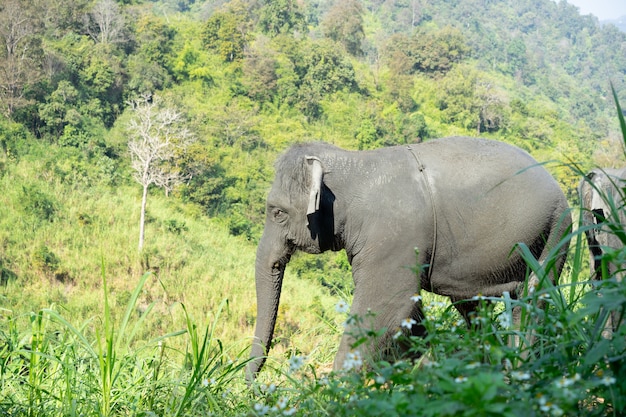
602, 193
458, 206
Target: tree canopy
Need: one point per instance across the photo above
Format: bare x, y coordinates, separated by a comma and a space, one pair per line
253, 76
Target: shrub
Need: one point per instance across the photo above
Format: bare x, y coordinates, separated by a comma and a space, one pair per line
38, 203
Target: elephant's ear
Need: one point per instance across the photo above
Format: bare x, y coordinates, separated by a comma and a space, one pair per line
316, 172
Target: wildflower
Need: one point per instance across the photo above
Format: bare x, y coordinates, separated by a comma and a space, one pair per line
296, 362
342, 307
556, 410
269, 389
289, 412
460, 379
520, 376
408, 323
379, 379
566, 382
457, 324
478, 297
353, 360
397, 334
416, 298
431, 364
261, 409
205, 382
505, 320
282, 402
607, 380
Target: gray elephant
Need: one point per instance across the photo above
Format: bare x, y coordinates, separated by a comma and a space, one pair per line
464, 203
601, 194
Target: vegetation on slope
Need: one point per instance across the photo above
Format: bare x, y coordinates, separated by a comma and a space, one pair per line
250, 78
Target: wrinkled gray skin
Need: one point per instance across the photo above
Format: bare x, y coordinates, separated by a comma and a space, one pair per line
465, 211
602, 198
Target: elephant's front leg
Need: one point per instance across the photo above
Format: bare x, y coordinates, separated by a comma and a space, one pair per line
381, 308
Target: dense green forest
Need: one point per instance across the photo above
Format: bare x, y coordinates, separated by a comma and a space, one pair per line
242, 80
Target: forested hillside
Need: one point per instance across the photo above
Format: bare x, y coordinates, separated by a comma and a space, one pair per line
248, 78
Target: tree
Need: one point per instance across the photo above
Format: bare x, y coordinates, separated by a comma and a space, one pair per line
18, 66
105, 23
344, 24
281, 16
158, 140
223, 33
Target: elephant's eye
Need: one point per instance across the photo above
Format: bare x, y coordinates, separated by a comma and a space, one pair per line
278, 215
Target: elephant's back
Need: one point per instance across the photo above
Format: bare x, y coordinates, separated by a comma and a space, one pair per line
458, 150
478, 166
488, 197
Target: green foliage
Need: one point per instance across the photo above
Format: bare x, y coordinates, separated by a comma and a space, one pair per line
344, 24
38, 203
431, 51
222, 33
281, 17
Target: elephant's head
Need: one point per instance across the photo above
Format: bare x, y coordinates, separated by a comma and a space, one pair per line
299, 216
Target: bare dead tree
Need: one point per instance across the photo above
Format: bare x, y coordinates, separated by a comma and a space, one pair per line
105, 23
158, 138
17, 67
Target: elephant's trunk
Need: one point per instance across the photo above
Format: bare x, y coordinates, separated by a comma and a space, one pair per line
269, 272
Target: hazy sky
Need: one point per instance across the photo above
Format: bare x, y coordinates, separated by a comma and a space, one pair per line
603, 9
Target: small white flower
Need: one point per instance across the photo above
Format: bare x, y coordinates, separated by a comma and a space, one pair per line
296, 362
379, 379
282, 402
607, 380
408, 323
556, 411
565, 382
520, 376
261, 409
505, 320
478, 297
416, 298
290, 411
353, 360
460, 379
397, 335
342, 307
